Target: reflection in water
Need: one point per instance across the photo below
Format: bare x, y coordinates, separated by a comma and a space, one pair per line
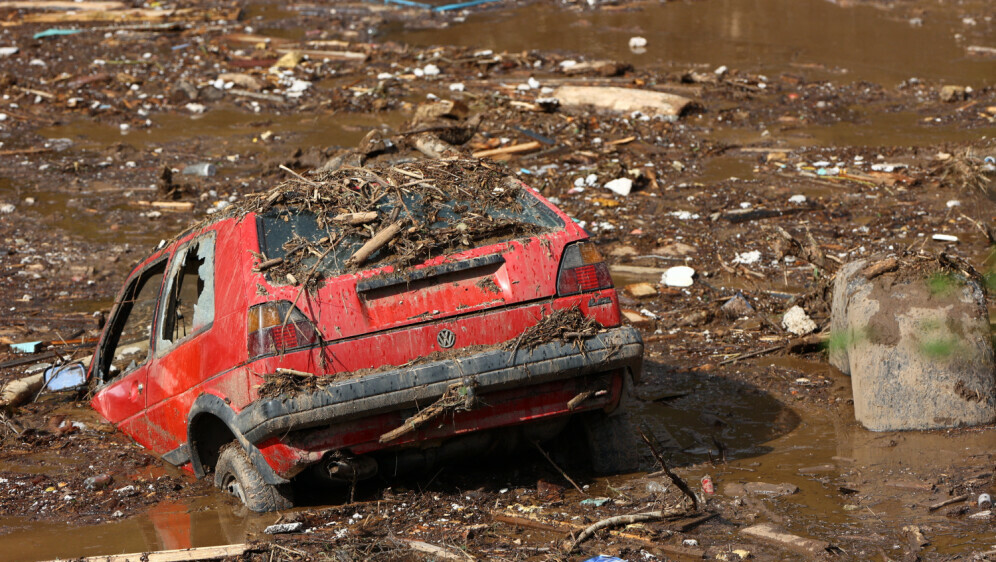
852, 43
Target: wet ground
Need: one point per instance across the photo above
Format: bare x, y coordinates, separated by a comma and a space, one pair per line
91, 119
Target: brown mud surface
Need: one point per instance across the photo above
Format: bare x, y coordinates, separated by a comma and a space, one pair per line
819, 131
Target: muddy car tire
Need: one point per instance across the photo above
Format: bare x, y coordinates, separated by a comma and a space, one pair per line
236, 476
612, 444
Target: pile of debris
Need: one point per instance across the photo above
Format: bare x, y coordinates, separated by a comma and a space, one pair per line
567, 324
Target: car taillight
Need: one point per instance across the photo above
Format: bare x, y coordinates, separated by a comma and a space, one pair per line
268, 333
582, 269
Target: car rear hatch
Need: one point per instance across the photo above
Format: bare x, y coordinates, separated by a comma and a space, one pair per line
461, 251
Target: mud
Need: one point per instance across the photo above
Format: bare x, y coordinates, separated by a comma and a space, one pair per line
840, 103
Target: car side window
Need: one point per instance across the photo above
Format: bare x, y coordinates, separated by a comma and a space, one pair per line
130, 331
188, 295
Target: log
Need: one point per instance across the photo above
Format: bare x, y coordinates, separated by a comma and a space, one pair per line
774, 535
505, 150
625, 100
435, 551
377, 242
947, 502
433, 147
19, 391
356, 218
180, 555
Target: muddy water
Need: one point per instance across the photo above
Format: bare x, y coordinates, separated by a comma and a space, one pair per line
813, 37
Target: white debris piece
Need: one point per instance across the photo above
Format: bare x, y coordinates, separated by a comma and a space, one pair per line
7, 208
797, 322
797, 199
678, 276
196, 107
944, 238
953, 203
457, 87
533, 83
431, 70
622, 186
747, 258
8, 51
385, 76
284, 528
637, 42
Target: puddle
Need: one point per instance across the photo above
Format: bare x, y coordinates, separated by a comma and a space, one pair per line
773, 36
230, 131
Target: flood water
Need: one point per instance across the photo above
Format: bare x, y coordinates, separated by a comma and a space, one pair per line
766, 440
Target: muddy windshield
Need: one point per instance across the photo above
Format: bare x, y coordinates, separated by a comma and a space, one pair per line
412, 223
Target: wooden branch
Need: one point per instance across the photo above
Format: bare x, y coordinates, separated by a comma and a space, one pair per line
294, 372
356, 218
621, 520
424, 416
878, 268
667, 470
377, 242
181, 555
513, 149
947, 502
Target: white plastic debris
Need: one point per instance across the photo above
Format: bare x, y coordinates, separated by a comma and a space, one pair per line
944, 238
7, 208
797, 199
622, 186
533, 83
953, 203
887, 167
196, 107
8, 51
797, 322
637, 42
747, 258
678, 276
457, 87
431, 70
385, 76
284, 528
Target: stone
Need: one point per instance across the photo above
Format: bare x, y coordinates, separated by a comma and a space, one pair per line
917, 345
953, 93
737, 307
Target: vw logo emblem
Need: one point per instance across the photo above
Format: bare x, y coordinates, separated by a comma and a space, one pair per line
446, 338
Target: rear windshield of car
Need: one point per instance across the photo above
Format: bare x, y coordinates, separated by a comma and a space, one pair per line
433, 226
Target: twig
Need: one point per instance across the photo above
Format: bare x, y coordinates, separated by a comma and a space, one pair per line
298, 176
560, 470
622, 520
674, 477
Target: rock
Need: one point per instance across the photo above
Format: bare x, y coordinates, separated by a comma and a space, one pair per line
737, 307
797, 322
640, 290
281, 528
953, 93
289, 60
623, 251
440, 109
241, 80
678, 276
183, 91
622, 186
675, 250
98, 482
918, 347
625, 100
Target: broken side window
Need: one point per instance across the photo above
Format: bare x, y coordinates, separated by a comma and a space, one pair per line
189, 294
130, 331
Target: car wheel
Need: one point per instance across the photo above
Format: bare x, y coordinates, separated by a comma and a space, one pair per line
612, 445
236, 476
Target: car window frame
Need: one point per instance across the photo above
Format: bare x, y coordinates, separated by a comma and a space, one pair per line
161, 260
168, 277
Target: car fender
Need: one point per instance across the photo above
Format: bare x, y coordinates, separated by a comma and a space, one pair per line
210, 404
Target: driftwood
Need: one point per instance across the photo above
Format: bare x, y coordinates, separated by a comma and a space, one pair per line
625, 100
621, 520
513, 149
947, 502
19, 391
880, 267
449, 400
773, 535
435, 551
356, 218
181, 555
377, 242
670, 474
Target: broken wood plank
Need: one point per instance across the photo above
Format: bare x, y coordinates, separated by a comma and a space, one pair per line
626, 100
331, 55
435, 551
180, 555
356, 218
947, 502
772, 534
505, 150
167, 205
60, 5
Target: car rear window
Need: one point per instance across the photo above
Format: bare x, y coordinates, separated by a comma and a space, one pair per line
433, 224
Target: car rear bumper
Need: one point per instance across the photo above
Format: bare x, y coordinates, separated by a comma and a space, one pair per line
488, 372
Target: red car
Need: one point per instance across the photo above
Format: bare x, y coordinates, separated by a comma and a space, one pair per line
280, 337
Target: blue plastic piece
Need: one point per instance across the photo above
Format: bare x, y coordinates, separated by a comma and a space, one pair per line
604, 558
26, 347
461, 5
56, 33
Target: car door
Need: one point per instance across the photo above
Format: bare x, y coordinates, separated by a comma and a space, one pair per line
184, 323
124, 358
